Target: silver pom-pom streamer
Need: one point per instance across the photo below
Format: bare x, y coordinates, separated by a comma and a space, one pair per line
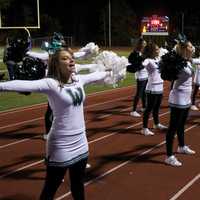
114, 63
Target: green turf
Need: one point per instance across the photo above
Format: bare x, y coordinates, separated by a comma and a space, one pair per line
9, 100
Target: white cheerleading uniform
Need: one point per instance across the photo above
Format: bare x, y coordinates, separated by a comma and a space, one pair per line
41, 55
45, 55
180, 95
196, 61
66, 142
155, 82
141, 75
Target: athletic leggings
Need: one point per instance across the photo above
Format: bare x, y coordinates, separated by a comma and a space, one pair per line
55, 175
153, 102
196, 88
178, 117
140, 93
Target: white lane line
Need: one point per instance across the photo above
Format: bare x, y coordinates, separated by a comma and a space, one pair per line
11, 111
42, 118
21, 123
27, 139
122, 164
100, 176
180, 192
22, 109
86, 107
22, 168
90, 142
18, 141
43, 105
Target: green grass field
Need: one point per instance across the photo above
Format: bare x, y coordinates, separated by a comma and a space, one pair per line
10, 100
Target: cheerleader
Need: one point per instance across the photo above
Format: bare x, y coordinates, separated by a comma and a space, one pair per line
56, 43
67, 146
196, 79
180, 102
141, 76
154, 88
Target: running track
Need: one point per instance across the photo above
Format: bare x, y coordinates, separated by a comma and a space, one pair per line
125, 164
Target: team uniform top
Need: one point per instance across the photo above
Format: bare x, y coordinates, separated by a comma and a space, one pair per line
66, 142
196, 61
142, 74
155, 82
180, 95
45, 55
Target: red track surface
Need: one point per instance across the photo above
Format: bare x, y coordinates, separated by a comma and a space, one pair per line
125, 164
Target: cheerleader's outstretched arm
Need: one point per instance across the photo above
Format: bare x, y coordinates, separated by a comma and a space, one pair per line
41, 86
41, 55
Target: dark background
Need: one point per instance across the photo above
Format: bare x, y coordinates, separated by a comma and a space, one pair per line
87, 20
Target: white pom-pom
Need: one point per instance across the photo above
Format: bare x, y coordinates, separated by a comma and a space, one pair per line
114, 63
162, 52
90, 49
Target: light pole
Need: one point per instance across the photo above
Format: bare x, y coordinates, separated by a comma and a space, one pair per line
182, 22
104, 29
109, 24
0, 17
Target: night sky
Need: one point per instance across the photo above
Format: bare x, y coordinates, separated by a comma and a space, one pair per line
67, 10
82, 18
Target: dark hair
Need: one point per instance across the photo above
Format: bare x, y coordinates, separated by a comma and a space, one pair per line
149, 50
140, 43
181, 49
54, 69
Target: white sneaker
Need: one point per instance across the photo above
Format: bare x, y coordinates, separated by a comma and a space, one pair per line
88, 166
172, 160
135, 114
146, 132
193, 107
160, 126
185, 150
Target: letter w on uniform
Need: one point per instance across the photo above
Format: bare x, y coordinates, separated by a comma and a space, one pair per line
77, 96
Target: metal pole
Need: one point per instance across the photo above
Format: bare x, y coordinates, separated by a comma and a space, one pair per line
109, 23
28, 32
182, 22
104, 29
0, 17
38, 13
